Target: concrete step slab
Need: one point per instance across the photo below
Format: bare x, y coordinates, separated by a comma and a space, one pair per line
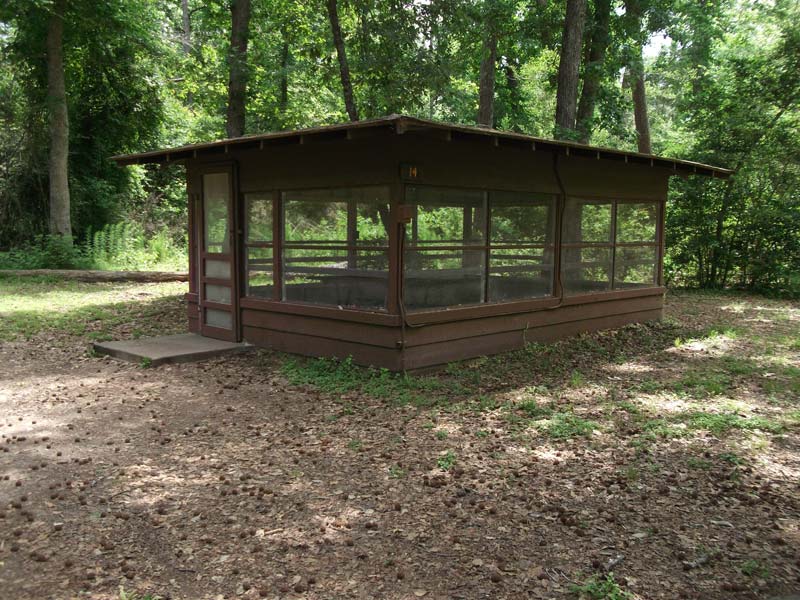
182, 347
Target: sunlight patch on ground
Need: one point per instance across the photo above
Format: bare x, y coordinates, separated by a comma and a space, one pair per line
736, 307
665, 403
777, 474
716, 345
630, 367
146, 485
65, 300
783, 312
550, 454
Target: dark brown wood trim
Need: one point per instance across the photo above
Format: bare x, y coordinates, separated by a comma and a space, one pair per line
613, 273
508, 308
478, 311
333, 329
309, 345
445, 351
396, 192
475, 328
215, 281
220, 306
661, 244
358, 316
613, 295
218, 333
277, 250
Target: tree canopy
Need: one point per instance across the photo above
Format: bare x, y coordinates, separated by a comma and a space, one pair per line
716, 81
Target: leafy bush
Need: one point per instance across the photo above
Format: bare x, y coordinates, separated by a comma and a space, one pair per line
47, 252
120, 246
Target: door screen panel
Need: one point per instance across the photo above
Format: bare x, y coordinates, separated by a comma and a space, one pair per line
216, 199
218, 277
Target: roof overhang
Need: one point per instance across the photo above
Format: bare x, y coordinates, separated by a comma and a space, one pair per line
401, 124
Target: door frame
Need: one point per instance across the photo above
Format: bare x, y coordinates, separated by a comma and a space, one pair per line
231, 257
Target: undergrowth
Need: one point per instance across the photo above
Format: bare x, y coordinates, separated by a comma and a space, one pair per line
601, 588
341, 376
116, 247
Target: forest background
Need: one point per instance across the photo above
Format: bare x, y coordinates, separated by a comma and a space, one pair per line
716, 81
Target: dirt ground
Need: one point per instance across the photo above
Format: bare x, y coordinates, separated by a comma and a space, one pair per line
666, 454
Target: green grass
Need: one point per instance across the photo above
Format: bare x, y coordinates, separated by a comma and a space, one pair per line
342, 376
534, 410
723, 423
30, 306
754, 568
566, 425
702, 384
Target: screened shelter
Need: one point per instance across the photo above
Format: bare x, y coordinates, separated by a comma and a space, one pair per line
406, 243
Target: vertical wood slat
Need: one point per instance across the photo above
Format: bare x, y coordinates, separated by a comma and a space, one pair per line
662, 211
277, 245
396, 193
192, 199
560, 209
236, 204
352, 233
613, 273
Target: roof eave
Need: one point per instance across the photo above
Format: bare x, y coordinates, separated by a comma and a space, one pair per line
400, 125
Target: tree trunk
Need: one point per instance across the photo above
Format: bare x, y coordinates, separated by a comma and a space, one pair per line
487, 80
569, 68
237, 65
186, 34
635, 74
640, 108
344, 69
593, 70
186, 40
283, 98
60, 223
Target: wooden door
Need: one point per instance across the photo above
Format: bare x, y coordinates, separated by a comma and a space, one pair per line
218, 273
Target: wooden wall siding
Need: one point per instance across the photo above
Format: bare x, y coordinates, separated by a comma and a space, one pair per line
350, 163
444, 352
380, 336
309, 345
430, 345
441, 332
615, 180
476, 164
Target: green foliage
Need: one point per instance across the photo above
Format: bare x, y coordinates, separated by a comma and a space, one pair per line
598, 587
120, 246
724, 90
446, 461
565, 425
342, 376
754, 568
739, 108
723, 423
